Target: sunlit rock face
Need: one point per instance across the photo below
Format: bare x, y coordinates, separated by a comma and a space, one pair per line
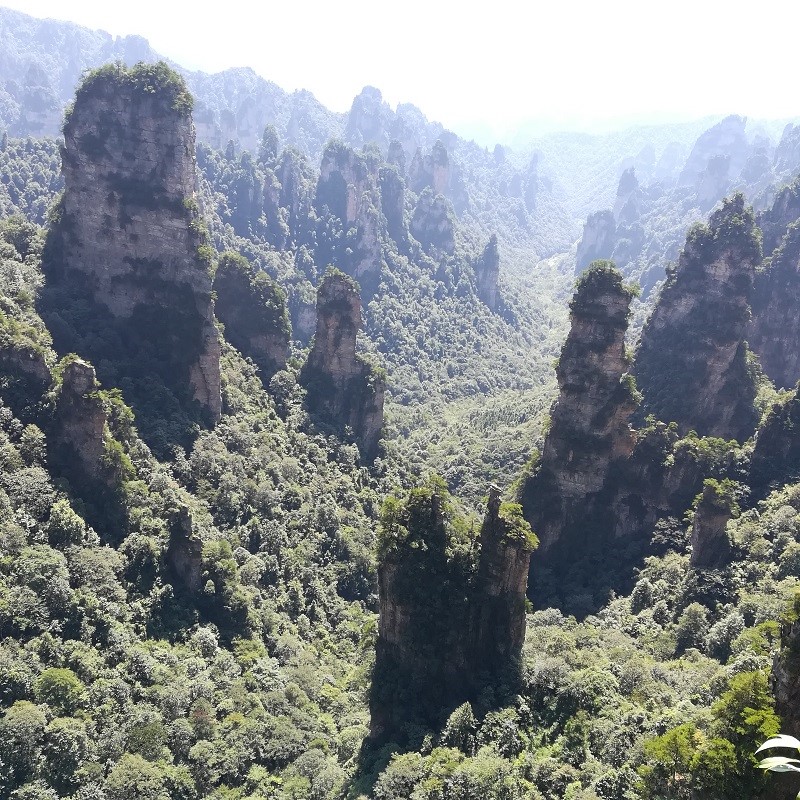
129, 232
590, 422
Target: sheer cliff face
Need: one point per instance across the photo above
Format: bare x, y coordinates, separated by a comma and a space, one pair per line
775, 221
598, 240
129, 228
252, 307
691, 365
589, 428
487, 274
774, 332
344, 389
776, 455
348, 187
452, 608
727, 139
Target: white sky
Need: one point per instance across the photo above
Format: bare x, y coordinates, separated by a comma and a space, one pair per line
493, 64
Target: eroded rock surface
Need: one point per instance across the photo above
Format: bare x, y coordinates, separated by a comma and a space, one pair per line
344, 388
692, 362
128, 236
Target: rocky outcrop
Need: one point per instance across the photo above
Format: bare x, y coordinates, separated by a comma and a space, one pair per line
787, 154
430, 171
487, 274
726, 139
589, 428
252, 307
185, 550
288, 199
497, 617
774, 332
433, 225
81, 419
129, 236
82, 447
348, 189
775, 221
393, 204
713, 182
711, 548
599, 487
344, 389
626, 206
776, 455
436, 170
369, 119
598, 240
451, 610
692, 363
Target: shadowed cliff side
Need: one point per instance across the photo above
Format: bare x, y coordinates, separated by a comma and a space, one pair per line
345, 389
602, 493
127, 261
452, 609
252, 307
774, 332
589, 429
692, 364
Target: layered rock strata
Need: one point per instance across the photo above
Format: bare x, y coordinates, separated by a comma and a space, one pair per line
128, 234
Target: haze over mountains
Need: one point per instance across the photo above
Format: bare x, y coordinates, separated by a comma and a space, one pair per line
343, 458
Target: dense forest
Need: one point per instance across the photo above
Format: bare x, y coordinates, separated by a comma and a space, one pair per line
341, 457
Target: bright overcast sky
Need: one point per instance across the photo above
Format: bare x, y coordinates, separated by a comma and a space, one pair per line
496, 63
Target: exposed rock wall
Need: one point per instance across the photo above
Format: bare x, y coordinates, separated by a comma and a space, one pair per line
711, 548
129, 233
348, 187
253, 309
774, 332
393, 199
487, 274
81, 420
726, 139
776, 455
598, 240
433, 225
589, 430
775, 221
344, 389
692, 362
452, 611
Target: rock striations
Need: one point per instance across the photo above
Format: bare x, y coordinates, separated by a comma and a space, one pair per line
692, 364
128, 236
345, 390
452, 607
589, 431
